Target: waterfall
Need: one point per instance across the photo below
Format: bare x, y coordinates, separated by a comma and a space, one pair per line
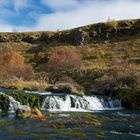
66, 103
79, 103
14, 105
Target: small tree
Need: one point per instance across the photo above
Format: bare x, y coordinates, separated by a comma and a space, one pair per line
62, 60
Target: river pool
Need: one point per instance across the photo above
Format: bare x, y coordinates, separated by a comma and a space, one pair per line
115, 125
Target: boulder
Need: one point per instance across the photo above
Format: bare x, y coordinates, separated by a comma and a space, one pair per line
23, 111
95, 92
37, 114
111, 88
67, 88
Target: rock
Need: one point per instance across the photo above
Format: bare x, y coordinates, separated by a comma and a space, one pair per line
130, 98
37, 114
67, 88
23, 111
91, 123
4, 103
111, 88
95, 92
80, 38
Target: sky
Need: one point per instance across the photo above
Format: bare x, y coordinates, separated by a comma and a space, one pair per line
52, 15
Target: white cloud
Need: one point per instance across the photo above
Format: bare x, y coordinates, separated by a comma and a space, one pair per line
82, 14
17, 4
10, 28
6, 27
60, 4
88, 13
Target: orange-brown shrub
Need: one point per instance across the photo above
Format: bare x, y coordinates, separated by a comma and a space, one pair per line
63, 59
12, 65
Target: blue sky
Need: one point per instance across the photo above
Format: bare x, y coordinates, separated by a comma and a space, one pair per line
50, 15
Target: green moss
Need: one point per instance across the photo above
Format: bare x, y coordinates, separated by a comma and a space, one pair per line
130, 98
4, 103
3, 123
72, 134
99, 134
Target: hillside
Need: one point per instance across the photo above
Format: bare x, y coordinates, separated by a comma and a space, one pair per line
110, 52
82, 35
102, 34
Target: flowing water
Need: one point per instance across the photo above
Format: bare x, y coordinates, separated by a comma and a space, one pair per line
77, 103
71, 117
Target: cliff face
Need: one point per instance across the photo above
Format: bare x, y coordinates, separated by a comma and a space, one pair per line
78, 36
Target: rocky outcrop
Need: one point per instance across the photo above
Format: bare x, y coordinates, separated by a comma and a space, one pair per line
67, 88
130, 98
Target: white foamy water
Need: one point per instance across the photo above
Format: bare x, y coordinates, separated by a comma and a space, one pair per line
37, 92
71, 103
79, 103
14, 105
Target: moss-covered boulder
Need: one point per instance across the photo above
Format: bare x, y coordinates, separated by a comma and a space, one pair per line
4, 103
23, 111
130, 98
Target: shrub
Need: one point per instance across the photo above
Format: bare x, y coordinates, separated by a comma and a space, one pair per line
67, 88
112, 24
25, 85
13, 65
66, 79
16, 67
123, 73
62, 60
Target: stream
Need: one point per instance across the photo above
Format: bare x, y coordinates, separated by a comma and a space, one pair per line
71, 117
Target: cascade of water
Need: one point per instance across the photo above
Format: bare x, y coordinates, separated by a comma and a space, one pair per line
14, 105
77, 103
63, 102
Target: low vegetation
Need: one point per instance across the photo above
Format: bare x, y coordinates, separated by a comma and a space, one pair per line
13, 65
62, 60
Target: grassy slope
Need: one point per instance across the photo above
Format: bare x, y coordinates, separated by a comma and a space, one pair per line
104, 43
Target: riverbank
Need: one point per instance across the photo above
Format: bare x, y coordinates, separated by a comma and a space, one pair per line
39, 86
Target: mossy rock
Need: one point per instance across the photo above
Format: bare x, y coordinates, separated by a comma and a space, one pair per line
4, 103
67, 88
25, 112
130, 98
